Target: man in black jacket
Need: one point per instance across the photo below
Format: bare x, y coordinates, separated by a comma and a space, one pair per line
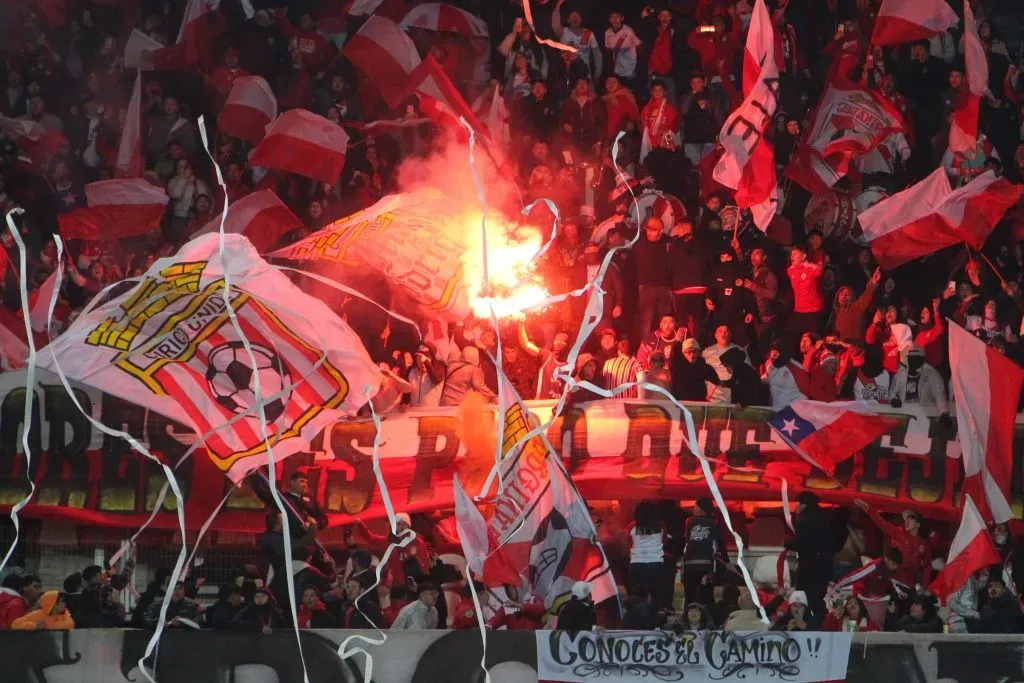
1001, 614
813, 543
691, 373
272, 544
578, 614
652, 268
704, 548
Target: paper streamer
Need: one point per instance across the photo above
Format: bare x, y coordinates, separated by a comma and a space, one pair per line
787, 513
30, 382
260, 405
544, 41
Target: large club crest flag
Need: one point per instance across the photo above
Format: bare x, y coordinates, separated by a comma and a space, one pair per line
169, 344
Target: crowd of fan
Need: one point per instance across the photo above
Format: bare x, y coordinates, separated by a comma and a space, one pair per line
710, 310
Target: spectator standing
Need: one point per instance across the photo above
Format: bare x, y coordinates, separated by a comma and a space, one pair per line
1002, 612
647, 554
420, 614
621, 46
812, 541
704, 548
578, 613
588, 52
808, 300
691, 374
653, 276
713, 356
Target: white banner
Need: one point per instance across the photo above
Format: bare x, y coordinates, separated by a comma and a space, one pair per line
624, 656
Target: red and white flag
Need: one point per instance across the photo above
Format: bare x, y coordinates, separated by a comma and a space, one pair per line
385, 54
39, 303
972, 550
747, 164
260, 216
490, 108
904, 21
39, 145
249, 109
130, 163
186, 359
194, 39
440, 100
963, 131
139, 50
480, 546
115, 209
303, 143
930, 216
848, 122
986, 386
383, 126
544, 530
440, 16
436, 333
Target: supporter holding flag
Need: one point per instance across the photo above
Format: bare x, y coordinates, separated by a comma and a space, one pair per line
916, 569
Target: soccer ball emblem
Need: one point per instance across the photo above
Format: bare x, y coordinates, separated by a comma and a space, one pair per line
231, 377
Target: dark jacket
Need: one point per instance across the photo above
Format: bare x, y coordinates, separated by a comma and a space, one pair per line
688, 379
704, 545
1001, 615
254, 617
577, 615
747, 388
588, 121
221, 614
536, 118
688, 257
152, 593
930, 623
813, 542
652, 262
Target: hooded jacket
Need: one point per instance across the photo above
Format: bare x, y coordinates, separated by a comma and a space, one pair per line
12, 606
51, 621
463, 377
930, 388
318, 617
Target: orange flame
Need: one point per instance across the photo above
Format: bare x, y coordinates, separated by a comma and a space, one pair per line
513, 286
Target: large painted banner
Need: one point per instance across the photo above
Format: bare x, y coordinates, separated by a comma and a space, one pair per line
623, 656
613, 449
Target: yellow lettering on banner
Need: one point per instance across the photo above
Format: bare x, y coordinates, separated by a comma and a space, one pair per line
150, 298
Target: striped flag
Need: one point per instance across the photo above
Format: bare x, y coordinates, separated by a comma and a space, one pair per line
963, 131
303, 143
183, 358
249, 109
129, 153
115, 209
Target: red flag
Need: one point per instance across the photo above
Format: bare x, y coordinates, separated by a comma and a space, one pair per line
260, 216
904, 21
972, 550
303, 143
115, 209
249, 109
383, 126
848, 122
986, 385
747, 164
963, 131
129, 154
38, 144
385, 55
440, 100
930, 216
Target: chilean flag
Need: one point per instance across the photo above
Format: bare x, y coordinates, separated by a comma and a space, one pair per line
904, 21
963, 131
747, 164
986, 385
825, 434
972, 549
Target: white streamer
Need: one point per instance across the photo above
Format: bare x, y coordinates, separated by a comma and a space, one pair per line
30, 384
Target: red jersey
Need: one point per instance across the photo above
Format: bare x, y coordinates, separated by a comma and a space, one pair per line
526, 618
916, 567
806, 281
316, 51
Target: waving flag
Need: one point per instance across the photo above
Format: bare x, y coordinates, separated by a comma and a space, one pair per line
303, 143
38, 144
260, 216
479, 544
408, 237
963, 131
115, 209
848, 122
168, 344
904, 21
440, 16
930, 216
138, 51
972, 550
194, 38
825, 434
250, 107
747, 164
129, 153
440, 100
986, 385
39, 303
383, 53
543, 527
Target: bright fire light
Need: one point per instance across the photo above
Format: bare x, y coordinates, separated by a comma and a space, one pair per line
514, 286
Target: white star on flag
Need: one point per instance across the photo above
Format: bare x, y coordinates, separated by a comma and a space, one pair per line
789, 426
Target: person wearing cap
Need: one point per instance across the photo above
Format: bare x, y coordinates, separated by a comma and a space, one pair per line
916, 568
586, 371
918, 383
704, 549
421, 613
691, 374
812, 541
425, 376
578, 613
799, 617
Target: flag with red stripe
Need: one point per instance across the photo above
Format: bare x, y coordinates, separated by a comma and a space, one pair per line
303, 143
972, 550
385, 55
115, 209
747, 164
963, 131
130, 163
249, 109
904, 21
261, 216
169, 345
986, 385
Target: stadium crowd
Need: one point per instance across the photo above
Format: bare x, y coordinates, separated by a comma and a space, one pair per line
704, 305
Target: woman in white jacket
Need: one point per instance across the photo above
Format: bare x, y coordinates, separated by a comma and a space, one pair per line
183, 189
